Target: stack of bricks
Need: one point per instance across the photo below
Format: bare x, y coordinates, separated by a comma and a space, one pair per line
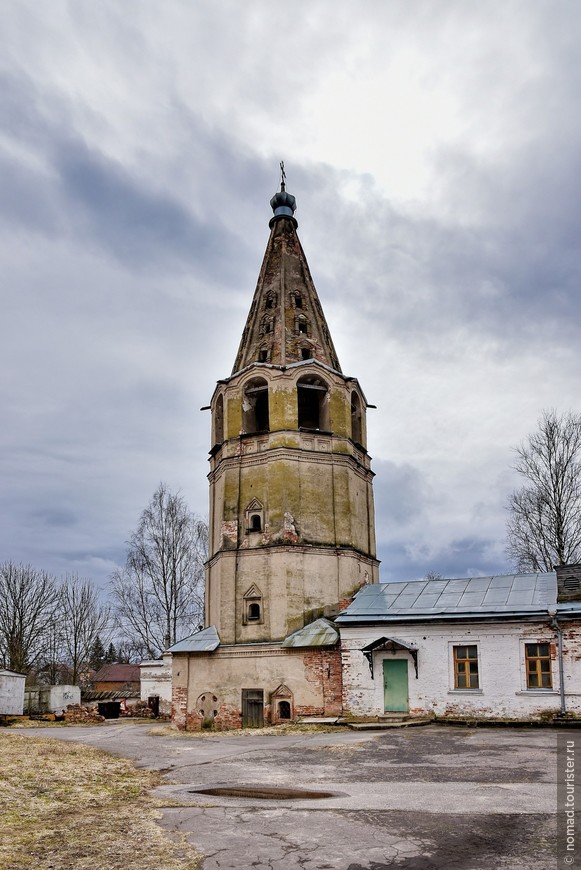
137, 711
77, 713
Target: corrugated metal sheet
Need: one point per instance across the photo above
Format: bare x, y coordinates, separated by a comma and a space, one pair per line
318, 633
203, 641
518, 594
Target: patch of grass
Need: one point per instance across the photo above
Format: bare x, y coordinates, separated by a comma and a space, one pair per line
66, 806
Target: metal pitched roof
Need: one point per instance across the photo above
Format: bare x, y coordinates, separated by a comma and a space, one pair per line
318, 633
517, 594
203, 641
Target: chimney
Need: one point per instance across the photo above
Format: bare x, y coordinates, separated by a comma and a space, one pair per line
568, 582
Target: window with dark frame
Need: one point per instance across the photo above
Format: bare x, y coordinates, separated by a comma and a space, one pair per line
538, 665
253, 612
466, 667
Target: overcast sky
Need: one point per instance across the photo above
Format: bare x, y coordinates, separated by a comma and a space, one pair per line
434, 149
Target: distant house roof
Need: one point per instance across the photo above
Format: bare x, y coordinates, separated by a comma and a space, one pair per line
117, 673
110, 695
203, 641
473, 597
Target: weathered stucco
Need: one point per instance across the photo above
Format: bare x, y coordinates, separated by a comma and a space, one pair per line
312, 677
502, 692
291, 525
316, 543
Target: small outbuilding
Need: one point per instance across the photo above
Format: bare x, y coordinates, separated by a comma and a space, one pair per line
11, 693
51, 699
156, 684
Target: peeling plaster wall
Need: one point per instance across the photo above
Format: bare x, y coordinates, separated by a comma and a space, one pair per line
156, 680
296, 585
501, 661
316, 544
313, 676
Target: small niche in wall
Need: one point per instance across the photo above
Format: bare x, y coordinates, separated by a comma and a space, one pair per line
252, 606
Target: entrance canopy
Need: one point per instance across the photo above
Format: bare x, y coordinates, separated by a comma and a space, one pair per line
392, 645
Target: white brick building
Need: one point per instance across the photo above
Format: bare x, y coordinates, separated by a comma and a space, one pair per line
487, 647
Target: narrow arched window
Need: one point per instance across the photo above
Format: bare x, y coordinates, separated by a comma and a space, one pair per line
255, 523
302, 326
253, 611
267, 325
284, 710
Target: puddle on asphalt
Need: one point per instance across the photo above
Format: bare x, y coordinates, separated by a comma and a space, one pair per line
265, 792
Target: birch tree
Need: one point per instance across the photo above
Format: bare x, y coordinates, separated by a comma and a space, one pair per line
159, 593
544, 525
82, 619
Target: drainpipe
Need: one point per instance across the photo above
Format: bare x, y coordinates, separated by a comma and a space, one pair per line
559, 631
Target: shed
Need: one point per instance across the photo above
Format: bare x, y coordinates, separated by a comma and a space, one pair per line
156, 684
11, 693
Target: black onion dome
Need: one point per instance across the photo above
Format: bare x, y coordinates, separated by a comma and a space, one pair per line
283, 204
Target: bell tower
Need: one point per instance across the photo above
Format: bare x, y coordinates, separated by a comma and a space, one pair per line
292, 529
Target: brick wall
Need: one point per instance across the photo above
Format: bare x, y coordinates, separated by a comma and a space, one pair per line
179, 707
323, 667
502, 692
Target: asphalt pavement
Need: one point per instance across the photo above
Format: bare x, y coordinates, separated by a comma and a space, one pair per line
428, 798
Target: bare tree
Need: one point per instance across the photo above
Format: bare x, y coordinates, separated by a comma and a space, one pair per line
159, 593
544, 525
432, 575
28, 602
82, 619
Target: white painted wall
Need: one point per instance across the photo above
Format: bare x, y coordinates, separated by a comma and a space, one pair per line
156, 680
11, 693
55, 699
501, 659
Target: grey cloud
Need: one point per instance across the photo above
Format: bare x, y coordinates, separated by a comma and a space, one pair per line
57, 517
400, 496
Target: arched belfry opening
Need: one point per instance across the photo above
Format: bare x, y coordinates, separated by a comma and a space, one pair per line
255, 416
356, 419
219, 420
313, 403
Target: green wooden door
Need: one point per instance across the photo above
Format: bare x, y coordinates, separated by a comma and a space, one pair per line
395, 685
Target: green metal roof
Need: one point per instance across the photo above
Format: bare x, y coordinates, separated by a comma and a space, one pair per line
321, 632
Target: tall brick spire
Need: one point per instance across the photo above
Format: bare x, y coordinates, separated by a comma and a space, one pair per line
285, 323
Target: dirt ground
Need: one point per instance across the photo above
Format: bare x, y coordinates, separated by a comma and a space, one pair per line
66, 806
